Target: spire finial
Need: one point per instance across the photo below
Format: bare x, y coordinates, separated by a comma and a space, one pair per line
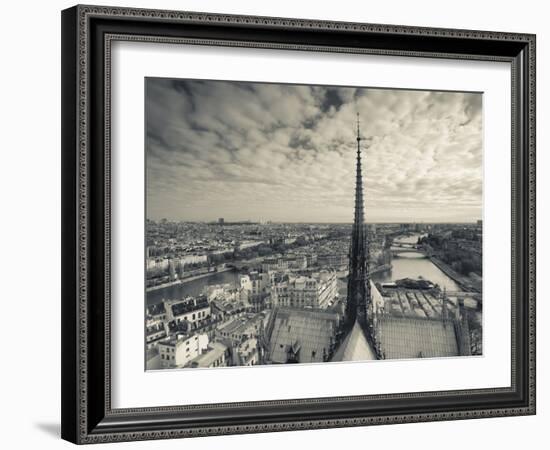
358, 132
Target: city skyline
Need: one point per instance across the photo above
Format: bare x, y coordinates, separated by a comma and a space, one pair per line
285, 153
273, 222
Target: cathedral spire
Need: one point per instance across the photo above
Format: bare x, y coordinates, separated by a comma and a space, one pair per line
358, 296
359, 213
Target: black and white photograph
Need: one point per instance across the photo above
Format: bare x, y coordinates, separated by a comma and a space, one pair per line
308, 224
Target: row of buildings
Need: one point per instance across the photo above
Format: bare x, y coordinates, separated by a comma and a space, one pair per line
227, 324
179, 250
194, 243
193, 332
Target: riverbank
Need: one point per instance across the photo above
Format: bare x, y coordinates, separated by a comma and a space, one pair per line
463, 281
187, 279
162, 286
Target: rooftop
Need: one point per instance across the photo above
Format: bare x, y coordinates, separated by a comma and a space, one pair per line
409, 337
308, 333
189, 305
154, 329
156, 309
179, 327
354, 347
239, 324
414, 303
215, 350
169, 341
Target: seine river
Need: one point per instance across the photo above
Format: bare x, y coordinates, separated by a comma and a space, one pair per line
414, 265
411, 265
193, 288
406, 265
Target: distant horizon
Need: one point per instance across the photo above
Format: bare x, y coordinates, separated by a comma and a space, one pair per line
289, 152
265, 222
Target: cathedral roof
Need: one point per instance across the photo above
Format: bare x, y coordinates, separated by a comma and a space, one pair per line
354, 347
410, 337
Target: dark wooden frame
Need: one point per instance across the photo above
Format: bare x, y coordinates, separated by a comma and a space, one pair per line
87, 32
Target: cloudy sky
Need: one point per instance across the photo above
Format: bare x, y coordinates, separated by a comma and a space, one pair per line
286, 153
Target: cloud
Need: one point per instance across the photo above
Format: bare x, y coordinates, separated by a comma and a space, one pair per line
287, 153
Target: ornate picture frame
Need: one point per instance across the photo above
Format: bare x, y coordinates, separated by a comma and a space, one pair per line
88, 33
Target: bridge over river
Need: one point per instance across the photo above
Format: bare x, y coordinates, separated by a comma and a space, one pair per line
399, 248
